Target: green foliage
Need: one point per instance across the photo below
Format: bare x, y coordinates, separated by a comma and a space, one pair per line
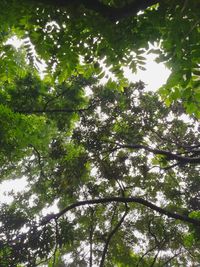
195, 214
92, 37
18, 132
74, 139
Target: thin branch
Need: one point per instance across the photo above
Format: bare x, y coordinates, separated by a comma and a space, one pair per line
111, 234
138, 200
56, 244
184, 6
190, 148
42, 262
55, 97
91, 237
52, 99
147, 252
113, 214
157, 242
155, 258
192, 28
169, 155
56, 110
170, 167
62, 110
171, 258
39, 159
37, 153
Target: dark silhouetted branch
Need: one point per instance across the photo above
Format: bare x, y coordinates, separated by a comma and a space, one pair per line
111, 234
138, 200
51, 111
169, 155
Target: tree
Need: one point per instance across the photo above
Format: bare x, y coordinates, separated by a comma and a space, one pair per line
121, 164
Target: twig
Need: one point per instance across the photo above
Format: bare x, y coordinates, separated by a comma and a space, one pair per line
147, 252
91, 237
39, 160
56, 244
171, 166
171, 258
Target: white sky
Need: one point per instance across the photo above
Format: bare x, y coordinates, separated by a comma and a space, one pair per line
155, 75
7, 187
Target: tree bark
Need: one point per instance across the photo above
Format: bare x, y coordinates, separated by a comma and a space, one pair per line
138, 200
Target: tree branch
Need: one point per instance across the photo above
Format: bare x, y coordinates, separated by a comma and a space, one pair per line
56, 110
111, 234
91, 232
62, 110
39, 157
155, 258
171, 258
110, 12
138, 200
56, 244
169, 155
146, 253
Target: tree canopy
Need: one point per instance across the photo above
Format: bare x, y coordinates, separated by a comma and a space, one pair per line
119, 163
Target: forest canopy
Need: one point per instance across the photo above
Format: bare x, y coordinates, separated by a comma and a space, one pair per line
119, 163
